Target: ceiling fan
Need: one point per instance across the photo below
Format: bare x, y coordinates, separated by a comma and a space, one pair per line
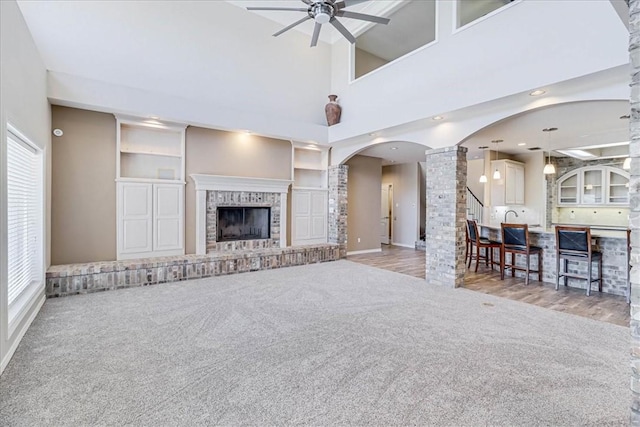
323, 11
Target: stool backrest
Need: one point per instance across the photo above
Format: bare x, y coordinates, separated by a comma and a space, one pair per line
575, 240
515, 234
472, 229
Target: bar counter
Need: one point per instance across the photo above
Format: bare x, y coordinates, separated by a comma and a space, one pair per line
611, 242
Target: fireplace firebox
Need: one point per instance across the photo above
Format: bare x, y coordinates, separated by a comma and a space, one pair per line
243, 223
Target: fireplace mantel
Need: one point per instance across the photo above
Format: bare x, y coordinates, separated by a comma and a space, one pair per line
237, 183
204, 183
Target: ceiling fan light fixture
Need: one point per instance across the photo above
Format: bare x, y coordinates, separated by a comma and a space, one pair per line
321, 13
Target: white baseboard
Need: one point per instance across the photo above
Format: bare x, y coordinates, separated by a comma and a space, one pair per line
366, 251
404, 245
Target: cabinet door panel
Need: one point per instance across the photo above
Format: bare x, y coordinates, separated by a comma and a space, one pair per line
510, 184
168, 217
135, 203
519, 190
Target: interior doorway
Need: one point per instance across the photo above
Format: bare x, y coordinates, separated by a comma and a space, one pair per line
386, 214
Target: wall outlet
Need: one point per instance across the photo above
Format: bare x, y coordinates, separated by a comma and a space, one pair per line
358, 240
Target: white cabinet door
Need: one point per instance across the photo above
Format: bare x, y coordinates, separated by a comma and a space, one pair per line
309, 217
168, 217
515, 184
509, 189
135, 214
319, 215
301, 202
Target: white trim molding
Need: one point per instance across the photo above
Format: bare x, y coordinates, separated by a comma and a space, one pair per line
204, 183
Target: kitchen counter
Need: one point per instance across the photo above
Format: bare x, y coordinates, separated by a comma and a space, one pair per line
596, 231
611, 242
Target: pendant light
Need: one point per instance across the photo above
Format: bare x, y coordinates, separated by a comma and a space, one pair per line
549, 168
483, 177
496, 173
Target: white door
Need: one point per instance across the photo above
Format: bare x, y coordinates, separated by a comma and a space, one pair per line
136, 218
384, 214
167, 217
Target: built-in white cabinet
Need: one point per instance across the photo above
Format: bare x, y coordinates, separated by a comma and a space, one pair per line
309, 216
309, 194
150, 220
594, 186
509, 189
150, 188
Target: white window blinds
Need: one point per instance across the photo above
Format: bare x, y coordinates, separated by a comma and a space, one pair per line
24, 214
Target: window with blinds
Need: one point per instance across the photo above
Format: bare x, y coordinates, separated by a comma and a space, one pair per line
24, 214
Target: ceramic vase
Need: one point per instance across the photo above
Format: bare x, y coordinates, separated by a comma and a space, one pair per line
333, 110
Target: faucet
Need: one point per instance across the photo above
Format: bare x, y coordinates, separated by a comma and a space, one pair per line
507, 213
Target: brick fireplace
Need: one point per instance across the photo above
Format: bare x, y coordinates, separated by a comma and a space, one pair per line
214, 191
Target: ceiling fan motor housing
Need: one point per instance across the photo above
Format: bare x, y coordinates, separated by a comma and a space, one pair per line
321, 12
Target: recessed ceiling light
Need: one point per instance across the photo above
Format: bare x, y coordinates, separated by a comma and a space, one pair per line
437, 118
248, 132
393, 148
537, 92
522, 144
154, 117
373, 134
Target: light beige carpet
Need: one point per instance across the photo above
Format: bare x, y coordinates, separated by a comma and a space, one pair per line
324, 344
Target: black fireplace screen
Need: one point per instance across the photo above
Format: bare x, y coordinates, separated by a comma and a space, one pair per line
245, 223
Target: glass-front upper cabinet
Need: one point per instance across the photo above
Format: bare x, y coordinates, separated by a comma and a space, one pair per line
568, 190
594, 185
618, 188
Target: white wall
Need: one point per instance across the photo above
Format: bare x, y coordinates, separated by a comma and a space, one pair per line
24, 104
525, 45
406, 202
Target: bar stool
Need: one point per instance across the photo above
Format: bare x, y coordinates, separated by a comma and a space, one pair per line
480, 243
515, 240
574, 244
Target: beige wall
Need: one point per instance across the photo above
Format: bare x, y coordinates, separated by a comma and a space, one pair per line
363, 187
83, 188
367, 62
218, 152
84, 172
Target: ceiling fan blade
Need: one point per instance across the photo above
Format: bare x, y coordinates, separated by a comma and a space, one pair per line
338, 26
363, 17
306, 18
289, 9
346, 3
316, 34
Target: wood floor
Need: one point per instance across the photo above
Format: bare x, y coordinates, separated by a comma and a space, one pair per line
602, 307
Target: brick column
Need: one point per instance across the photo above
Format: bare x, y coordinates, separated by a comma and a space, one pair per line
337, 219
634, 204
446, 183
